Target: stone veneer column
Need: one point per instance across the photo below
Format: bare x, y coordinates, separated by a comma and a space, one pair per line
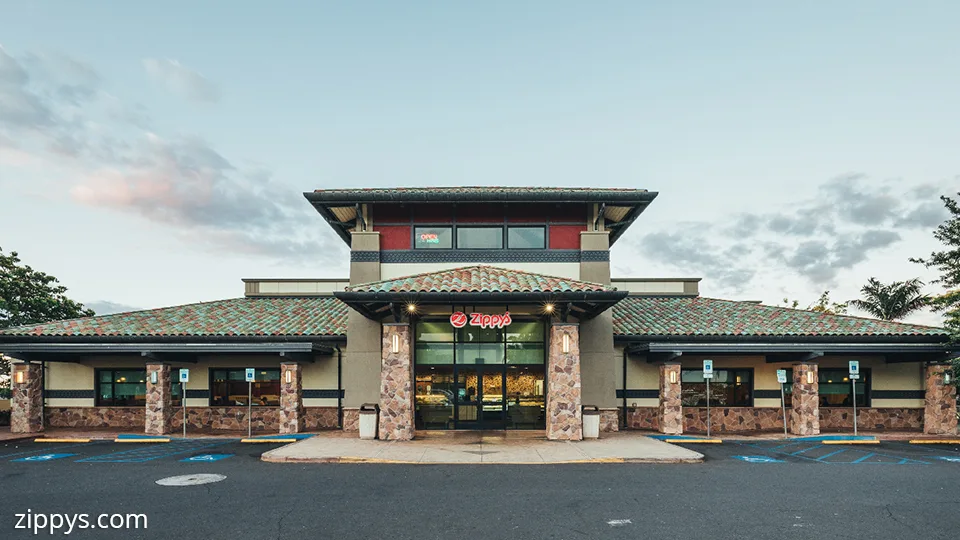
396, 384
564, 412
805, 411
670, 414
26, 408
940, 403
291, 399
159, 401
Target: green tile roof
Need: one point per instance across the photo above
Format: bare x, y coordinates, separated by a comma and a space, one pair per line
698, 316
288, 316
483, 193
479, 278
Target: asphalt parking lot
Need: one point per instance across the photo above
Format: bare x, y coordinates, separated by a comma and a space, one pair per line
804, 493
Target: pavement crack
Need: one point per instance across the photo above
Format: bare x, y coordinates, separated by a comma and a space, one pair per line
280, 522
893, 517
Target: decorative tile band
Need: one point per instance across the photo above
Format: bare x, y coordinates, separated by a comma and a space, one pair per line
70, 394
897, 394
322, 394
481, 256
364, 256
594, 256
639, 394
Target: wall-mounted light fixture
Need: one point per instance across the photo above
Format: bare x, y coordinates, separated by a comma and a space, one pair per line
289, 376
809, 377
153, 377
20, 377
947, 377
566, 343
548, 308
395, 345
411, 308
673, 376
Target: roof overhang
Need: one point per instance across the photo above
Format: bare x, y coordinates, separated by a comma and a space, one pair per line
51, 351
340, 207
583, 305
794, 352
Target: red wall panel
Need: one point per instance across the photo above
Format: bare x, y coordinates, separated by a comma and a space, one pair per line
391, 213
575, 213
480, 213
433, 213
565, 236
394, 236
528, 213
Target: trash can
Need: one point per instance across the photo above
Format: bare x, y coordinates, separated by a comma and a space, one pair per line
368, 420
591, 422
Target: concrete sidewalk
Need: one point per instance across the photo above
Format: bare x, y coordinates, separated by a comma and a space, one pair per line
482, 448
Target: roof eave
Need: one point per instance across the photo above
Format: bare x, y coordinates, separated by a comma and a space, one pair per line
326, 198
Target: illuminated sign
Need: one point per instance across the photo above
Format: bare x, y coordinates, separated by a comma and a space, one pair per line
429, 238
460, 319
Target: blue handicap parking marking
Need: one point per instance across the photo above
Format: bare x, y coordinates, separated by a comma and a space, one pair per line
758, 459
207, 458
952, 459
173, 448
42, 457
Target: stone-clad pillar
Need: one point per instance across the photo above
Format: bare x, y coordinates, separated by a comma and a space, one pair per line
291, 399
159, 400
940, 403
396, 384
805, 411
670, 414
564, 405
26, 409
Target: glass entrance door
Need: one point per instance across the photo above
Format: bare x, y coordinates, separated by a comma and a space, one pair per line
480, 398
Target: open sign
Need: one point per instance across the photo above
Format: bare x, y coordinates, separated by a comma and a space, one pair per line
429, 238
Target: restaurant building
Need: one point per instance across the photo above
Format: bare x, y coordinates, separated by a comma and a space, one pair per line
478, 308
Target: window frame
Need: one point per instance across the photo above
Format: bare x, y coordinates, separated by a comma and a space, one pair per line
414, 234
211, 381
98, 397
753, 382
507, 235
866, 374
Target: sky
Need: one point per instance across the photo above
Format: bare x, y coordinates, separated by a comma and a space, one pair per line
155, 153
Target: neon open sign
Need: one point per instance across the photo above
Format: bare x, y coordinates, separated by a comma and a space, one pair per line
429, 238
483, 320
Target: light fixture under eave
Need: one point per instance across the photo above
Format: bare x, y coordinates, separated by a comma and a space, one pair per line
19, 377
566, 343
411, 308
548, 308
673, 377
947, 377
289, 375
395, 345
809, 377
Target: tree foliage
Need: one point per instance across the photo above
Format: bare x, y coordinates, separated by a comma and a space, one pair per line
947, 263
892, 301
28, 296
822, 305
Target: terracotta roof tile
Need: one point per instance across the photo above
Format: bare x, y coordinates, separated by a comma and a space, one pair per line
479, 278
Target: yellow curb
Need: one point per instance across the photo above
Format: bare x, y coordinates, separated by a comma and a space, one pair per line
267, 440
874, 441
693, 441
141, 440
62, 440
935, 441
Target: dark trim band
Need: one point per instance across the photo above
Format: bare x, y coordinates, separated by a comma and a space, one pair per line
639, 394
898, 394
595, 256
402, 256
70, 394
364, 256
322, 394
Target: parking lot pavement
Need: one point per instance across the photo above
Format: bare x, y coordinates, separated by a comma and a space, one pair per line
185, 451
813, 452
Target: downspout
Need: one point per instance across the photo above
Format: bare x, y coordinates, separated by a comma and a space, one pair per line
625, 354
339, 386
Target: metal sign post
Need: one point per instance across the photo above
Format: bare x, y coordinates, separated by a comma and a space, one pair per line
251, 374
782, 379
184, 379
854, 375
707, 375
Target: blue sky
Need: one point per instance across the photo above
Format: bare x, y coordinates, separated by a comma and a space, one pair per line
156, 152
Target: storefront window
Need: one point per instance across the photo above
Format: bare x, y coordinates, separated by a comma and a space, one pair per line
728, 388
479, 237
526, 238
229, 388
835, 388
433, 237
477, 345
121, 388
434, 397
434, 342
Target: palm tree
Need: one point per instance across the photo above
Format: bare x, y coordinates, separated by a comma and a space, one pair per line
891, 302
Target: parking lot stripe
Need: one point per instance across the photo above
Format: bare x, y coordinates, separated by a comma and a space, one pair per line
806, 450
864, 458
42, 450
873, 441
143, 440
935, 441
150, 453
61, 440
821, 458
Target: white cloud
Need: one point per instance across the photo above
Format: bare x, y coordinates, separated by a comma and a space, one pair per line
182, 80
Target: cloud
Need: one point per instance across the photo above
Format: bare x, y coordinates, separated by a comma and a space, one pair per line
182, 80
104, 307
54, 109
850, 218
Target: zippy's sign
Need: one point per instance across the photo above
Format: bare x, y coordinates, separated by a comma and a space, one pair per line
460, 319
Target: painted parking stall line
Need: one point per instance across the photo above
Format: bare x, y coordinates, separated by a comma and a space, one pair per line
158, 451
42, 458
46, 450
206, 458
759, 459
951, 459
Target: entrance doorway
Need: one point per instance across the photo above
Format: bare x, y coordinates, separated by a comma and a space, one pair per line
473, 378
